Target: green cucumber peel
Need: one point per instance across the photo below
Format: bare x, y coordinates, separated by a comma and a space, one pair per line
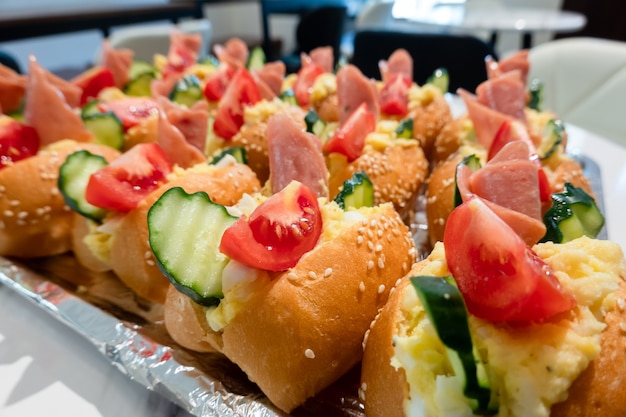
356, 192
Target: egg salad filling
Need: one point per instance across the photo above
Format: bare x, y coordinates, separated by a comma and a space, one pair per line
240, 281
531, 367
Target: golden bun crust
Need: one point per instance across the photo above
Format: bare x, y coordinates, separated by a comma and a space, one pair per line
449, 139
428, 121
600, 391
34, 219
185, 321
397, 174
383, 388
302, 330
440, 196
328, 108
131, 257
81, 227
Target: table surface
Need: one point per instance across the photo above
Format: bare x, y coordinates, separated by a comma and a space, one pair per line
490, 16
48, 369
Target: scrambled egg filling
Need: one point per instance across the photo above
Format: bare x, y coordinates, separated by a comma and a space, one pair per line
531, 367
239, 281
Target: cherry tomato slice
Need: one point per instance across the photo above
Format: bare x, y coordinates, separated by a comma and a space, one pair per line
93, 81
217, 82
241, 91
349, 139
304, 82
122, 184
394, 99
500, 277
278, 232
17, 141
131, 111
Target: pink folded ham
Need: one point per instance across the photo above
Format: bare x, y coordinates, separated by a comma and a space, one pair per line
323, 56
295, 154
118, 61
12, 89
48, 109
234, 52
399, 62
191, 122
269, 79
354, 88
175, 145
509, 184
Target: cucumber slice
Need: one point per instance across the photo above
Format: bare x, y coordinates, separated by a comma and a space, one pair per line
184, 234
289, 97
552, 138
257, 59
74, 175
238, 152
356, 192
405, 129
107, 129
91, 107
573, 214
440, 79
141, 75
187, 91
316, 125
473, 163
210, 61
446, 311
535, 89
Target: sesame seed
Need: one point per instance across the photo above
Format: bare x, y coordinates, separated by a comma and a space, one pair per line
359, 240
361, 230
8, 213
14, 203
22, 214
370, 234
361, 286
622, 327
364, 386
309, 354
292, 276
379, 247
380, 233
328, 272
312, 275
381, 288
150, 262
381, 262
147, 254
370, 265
370, 245
621, 304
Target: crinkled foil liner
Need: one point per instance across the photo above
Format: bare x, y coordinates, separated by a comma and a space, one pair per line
129, 332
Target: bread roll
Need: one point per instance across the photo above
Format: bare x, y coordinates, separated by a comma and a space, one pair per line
440, 196
428, 120
131, 257
34, 219
397, 173
592, 270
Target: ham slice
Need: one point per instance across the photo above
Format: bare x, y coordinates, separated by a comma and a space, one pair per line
509, 185
323, 56
176, 146
353, 88
12, 89
399, 62
118, 61
485, 120
270, 78
516, 61
505, 93
48, 111
295, 154
191, 122
162, 87
234, 52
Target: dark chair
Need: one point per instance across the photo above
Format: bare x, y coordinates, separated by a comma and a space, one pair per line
320, 23
463, 56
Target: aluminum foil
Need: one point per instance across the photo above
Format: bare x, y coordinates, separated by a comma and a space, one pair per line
129, 332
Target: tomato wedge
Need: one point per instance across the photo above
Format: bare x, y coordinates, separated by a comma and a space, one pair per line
217, 82
394, 96
122, 184
17, 141
304, 82
500, 277
131, 111
93, 81
278, 232
349, 139
241, 91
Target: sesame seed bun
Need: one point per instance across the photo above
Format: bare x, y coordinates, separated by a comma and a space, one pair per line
440, 196
397, 173
131, 257
34, 219
599, 391
449, 139
299, 331
428, 120
185, 321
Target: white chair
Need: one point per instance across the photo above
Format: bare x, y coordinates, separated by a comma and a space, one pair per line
150, 39
584, 83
